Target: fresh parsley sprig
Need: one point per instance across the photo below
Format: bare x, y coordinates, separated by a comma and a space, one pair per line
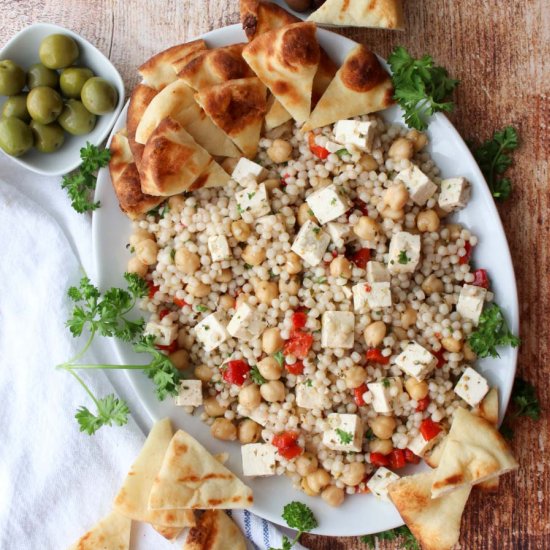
524, 403
81, 183
298, 516
408, 541
421, 88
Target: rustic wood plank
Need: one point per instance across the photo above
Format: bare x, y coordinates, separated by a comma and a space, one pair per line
501, 54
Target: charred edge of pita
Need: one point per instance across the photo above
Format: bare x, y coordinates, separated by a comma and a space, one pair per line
362, 72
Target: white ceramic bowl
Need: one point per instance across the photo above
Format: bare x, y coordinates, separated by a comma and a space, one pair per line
23, 50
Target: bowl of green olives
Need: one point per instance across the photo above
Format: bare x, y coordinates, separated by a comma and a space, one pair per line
57, 92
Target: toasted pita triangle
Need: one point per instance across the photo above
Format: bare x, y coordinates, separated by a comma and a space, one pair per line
190, 477
488, 408
180, 63
385, 14
141, 96
258, 17
474, 452
169, 533
276, 114
286, 61
434, 522
215, 531
157, 72
361, 86
212, 176
323, 77
110, 533
237, 107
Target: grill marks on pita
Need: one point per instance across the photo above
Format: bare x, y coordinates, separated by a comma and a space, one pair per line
215, 531
112, 533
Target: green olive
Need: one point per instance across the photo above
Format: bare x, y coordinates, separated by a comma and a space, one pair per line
15, 136
16, 106
47, 137
76, 119
73, 79
38, 75
12, 78
44, 104
98, 96
58, 51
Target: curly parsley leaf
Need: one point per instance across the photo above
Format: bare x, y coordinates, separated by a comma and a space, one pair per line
110, 410
408, 541
298, 516
345, 437
421, 88
525, 399
280, 358
256, 377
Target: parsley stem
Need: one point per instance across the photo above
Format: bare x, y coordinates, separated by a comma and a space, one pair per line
83, 351
493, 164
70, 367
86, 388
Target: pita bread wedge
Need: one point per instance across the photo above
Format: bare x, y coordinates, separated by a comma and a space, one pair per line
237, 107
323, 77
488, 408
126, 179
384, 14
169, 533
434, 522
212, 176
276, 114
286, 61
215, 67
180, 63
474, 452
361, 86
111, 533
132, 498
215, 531
157, 72
190, 477
258, 17
140, 98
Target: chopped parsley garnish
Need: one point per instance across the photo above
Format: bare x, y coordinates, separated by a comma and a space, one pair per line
239, 209
308, 383
320, 280
201, 308
386, 382
403, 258
524, 403
279, 357
408, 541
272, 274
298, 516
250, 195
310, 212
316, 230
345, 437
342, 152
333, 202
172, 254
369, 435
256, 377
247, 266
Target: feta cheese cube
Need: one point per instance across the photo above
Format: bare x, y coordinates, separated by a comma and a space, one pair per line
311, 243
344, 433
328, 203
340, 233
471, 387
260, 414
355, 133
371, 296
211, 332
470, 302
254, 200
404, 253
337, 329
245, 171
416, 361
377, 272
310, 397
164, 334
246, 323
454, 194
258, 459
384, 393
419, 446
189, 394
379, 482
219, 248
420, 187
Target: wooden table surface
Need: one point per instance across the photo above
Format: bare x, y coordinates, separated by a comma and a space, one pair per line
500, 51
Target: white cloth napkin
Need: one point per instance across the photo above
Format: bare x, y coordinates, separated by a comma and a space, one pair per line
56, 482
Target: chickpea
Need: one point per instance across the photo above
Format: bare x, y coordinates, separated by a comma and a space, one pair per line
223, 429
185, 340
383, 426
290, 287
213, 408
305, 213
451, 344
240, 230
368, 162
455, 229
427, 221
333, 496
374, 333
140, 235
227, 301
306, 464
147, 251
135, 265
367, 229
382, 446
273, 391
176, 203
203, 373
318, 480
432, 284
408, 318
270, 369
340, 267
229, 164
250, 397
293, 263
249, 431
401, 149
253, 255
394, 215
396, 196
197, 289
225, 276
355, 376
272, 341
280, 151
306, 488
241, 299
266, 291
468, 352
400, 333
419, 140
417, 390
180, 359
354, 474
272, 183
187, 261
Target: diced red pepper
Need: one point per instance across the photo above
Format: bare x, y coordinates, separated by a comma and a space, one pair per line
429, 429
317, 150
298, 319
480, 278
423, 404
298, 345
180, 303
283, 179
375, 355
291, 452
368, 288
440, 359
170, 348
153, 289
296, 368
236, 372
361, 257
358, 395
410, 457
286, 444
466, 258
378, 459
358, 204
163, 313
397, 459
